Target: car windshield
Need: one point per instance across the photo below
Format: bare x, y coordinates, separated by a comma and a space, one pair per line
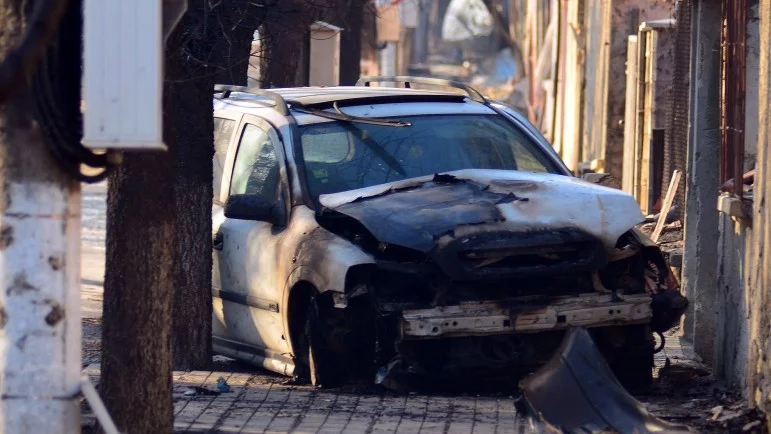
342, 156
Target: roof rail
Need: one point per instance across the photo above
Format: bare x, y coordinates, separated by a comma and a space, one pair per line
407, 80
277, 99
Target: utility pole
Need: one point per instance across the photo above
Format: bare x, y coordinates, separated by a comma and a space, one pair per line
388, 60
40, 157
40, 273
39, 267
388, 33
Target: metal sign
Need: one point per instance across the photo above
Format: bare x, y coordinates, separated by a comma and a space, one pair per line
123, 71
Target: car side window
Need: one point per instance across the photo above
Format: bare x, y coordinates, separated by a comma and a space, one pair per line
256, 170
223, 131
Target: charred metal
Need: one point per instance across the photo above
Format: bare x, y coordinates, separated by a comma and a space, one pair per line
453, 291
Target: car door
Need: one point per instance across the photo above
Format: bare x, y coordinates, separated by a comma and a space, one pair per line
225, 143
248, 289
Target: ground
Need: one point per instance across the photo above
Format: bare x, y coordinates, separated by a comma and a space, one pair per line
264, 402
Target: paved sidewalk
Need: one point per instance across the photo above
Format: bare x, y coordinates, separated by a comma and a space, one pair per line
263, 403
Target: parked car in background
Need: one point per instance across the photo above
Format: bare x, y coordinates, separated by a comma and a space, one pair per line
417, 235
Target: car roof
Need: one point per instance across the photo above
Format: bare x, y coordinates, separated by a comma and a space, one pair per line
321, 97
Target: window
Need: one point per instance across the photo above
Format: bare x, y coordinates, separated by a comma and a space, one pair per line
223, 131
340, 156
256, 169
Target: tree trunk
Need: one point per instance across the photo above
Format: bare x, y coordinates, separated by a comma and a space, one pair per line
199, 53
138, 285
159, 233
350, 41
285, 38
284, 56
232, 36
188, 129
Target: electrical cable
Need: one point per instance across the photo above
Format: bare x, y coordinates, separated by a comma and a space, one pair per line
56, 94
20, 62
663, 343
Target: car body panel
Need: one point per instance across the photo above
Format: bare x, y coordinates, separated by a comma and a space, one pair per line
535, 201
491, 318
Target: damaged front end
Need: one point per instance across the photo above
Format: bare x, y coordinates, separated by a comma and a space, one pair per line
471, 282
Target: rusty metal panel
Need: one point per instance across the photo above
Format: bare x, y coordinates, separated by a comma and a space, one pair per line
732, 96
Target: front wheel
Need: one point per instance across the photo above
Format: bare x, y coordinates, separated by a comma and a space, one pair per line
325, 368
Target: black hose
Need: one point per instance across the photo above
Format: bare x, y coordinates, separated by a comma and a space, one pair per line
663, 343
56, 92
22, 60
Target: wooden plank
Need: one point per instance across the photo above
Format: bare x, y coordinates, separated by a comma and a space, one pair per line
630, 116
649, 103
637, 175
668, 199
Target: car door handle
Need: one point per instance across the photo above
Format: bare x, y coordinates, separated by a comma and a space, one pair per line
218, 241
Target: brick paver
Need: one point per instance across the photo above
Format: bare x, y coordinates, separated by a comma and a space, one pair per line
262, 403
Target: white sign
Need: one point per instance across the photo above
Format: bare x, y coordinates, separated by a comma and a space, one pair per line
123, 74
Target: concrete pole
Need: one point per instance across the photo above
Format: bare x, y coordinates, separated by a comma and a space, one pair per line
388, 59
700, 259
388, 62
40, 332
421, 33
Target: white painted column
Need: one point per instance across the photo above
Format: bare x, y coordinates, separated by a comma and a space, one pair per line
40, 331
388, 61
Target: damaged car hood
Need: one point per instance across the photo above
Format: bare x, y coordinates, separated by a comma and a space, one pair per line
415, 213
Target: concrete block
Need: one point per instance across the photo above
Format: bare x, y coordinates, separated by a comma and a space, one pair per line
731, 206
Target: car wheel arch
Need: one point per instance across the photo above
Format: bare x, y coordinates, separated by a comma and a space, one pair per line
296, 313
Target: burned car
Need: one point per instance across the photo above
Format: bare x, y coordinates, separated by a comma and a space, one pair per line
418, 235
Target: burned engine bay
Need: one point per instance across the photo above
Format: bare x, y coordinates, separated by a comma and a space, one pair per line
471, 281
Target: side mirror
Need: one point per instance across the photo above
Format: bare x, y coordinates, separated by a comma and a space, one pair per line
253, 207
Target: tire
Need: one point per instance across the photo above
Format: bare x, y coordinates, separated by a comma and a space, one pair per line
326, 369
633, 364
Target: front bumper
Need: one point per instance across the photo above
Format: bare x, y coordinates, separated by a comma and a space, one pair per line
505, 317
